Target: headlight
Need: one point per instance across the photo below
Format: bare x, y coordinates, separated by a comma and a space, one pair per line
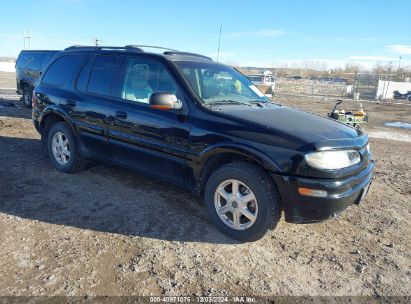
331, 160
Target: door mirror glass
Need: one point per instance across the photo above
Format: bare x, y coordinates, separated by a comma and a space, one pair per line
165, 101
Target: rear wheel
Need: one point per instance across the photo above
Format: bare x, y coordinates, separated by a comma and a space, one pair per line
62, 149
242, 201
27, 94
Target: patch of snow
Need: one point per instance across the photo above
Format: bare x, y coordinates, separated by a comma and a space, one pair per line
7, 67
390, 135
398, 124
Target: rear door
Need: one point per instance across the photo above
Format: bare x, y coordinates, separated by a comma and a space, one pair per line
90, 107
150, 140
56, 82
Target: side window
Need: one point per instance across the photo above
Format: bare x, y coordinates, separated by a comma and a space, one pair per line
144, 77
46, 59
35, 61
83, 78
102, 74
23, 60
60, 70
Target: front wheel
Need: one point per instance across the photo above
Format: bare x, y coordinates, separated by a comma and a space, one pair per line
242, 201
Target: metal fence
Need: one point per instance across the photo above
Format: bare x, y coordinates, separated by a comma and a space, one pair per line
9, 94
311, 87
365, 85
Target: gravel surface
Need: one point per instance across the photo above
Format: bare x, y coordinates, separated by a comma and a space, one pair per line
109, 231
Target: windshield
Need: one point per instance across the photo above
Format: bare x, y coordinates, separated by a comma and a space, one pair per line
216, 84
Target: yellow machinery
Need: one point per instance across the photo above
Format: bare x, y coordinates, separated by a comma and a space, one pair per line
354, 119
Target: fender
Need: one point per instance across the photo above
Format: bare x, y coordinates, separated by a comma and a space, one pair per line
233, 148
24, 82
54, 109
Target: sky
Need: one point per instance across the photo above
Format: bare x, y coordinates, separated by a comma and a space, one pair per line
254, 33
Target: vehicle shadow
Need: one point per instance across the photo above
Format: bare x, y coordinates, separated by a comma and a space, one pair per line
102, 198
13, 108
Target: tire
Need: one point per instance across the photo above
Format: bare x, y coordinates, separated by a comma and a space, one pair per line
64, 142
265, 208
27, 95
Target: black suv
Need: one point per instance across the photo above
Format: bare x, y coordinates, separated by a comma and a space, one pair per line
29, 66
202, 125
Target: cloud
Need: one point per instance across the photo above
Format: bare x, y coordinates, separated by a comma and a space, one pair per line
373, 58
259, 33
32, 38
59, 40
400, 49
316, 63
11, 36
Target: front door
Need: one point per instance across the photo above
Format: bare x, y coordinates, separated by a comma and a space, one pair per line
151, 140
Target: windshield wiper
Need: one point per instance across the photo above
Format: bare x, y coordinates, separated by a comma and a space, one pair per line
261, 103
230, 101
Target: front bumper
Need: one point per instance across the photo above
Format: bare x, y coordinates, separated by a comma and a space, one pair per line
342, 193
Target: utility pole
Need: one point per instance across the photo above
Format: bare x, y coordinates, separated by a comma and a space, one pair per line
398, 70
26, 36
97, 41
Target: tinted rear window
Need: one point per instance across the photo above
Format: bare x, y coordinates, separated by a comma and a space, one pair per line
22, 60
35, 61
46, 59
30, 60
61, 69
102, 74
82, 80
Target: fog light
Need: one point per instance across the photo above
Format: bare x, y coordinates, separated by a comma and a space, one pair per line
312, 192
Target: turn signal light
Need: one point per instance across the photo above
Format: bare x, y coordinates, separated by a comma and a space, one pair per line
312, 192
160, 107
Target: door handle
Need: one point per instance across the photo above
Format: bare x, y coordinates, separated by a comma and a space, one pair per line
70, 103
120, 115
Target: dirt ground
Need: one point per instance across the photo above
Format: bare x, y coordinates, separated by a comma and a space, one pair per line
7, 80
109, 231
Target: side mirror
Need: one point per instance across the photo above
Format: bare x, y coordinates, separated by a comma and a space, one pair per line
165, 101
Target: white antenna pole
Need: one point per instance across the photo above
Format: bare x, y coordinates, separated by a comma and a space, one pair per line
219, 42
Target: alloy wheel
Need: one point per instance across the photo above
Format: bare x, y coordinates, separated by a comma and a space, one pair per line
236, 204
60, 146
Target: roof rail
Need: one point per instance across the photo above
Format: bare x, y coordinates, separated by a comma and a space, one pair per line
186, 54
149, 46
90, 47
135, 48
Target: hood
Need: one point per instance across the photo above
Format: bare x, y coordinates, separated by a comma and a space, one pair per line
296, 124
